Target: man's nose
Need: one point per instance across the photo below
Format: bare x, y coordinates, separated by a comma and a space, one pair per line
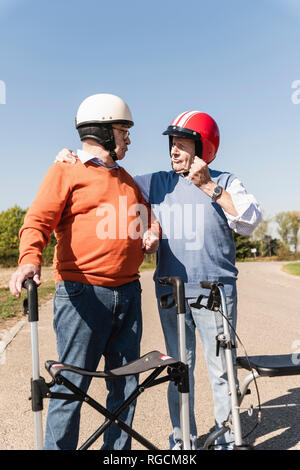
174, 150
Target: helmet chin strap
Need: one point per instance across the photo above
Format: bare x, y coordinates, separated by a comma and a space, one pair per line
113, 155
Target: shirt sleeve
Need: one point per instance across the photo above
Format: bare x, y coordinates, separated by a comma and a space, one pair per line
144, 183
43, 215
248, 209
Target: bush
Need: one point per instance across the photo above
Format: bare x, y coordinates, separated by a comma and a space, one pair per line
9, 258
10, 224
48, 252
11, 221
243, 246
283, 252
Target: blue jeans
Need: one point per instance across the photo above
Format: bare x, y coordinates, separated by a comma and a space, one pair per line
91, 321
209, 325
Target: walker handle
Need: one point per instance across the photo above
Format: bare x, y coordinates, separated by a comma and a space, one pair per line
178, 291
31, 306
210, 284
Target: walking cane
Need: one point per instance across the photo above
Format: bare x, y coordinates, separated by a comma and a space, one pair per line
31, 308
179, 296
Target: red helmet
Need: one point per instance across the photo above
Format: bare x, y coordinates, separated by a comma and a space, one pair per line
200, 127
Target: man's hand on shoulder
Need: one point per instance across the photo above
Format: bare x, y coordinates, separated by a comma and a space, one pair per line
65, 155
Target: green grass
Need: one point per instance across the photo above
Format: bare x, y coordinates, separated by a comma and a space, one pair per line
11, 306
292, 268
148, 263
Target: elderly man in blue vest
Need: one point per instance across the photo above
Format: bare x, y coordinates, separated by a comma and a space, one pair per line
197, 208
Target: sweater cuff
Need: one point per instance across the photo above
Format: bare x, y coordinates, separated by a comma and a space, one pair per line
30, 259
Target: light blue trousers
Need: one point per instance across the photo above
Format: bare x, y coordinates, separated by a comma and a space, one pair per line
209, 325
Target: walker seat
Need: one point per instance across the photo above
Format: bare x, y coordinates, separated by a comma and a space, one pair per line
270, 366
151, 360
177, 372
174, 370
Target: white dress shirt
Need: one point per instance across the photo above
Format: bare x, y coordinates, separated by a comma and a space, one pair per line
86, 157
248, 209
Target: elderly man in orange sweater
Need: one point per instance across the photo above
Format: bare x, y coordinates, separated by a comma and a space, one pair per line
101, 222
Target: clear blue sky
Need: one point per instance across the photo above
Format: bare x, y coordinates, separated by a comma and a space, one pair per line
234, 59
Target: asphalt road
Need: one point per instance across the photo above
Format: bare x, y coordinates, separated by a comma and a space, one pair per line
269, 323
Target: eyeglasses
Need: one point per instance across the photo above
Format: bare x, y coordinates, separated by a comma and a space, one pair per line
126, 133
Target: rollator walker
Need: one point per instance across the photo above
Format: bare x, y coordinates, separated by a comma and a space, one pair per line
156, 362
175, 370
259, 366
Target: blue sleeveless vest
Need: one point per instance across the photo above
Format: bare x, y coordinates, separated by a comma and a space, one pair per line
197, 243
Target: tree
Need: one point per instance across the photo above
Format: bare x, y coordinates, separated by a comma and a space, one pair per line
283, 251
48, 252
271, 246
243, 246
11, 221
261, 235
288, 227
294, 229
283, 222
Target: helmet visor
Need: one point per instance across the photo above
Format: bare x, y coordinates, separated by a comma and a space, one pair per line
177, 131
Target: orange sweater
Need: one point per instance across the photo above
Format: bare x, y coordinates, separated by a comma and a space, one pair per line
91, 210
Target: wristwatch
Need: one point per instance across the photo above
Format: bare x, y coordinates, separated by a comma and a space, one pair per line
216, 193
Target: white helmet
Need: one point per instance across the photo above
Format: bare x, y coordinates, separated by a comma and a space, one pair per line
95, 117
103, 108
